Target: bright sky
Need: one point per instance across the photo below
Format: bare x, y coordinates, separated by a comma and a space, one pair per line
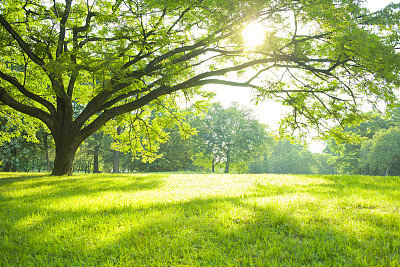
270, 112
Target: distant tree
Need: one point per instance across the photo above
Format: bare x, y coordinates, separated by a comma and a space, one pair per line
347, 153
322, 164
20, 149
176, 154
385, 150
45, 148
290, 158
261, 165
231, 136
116, 154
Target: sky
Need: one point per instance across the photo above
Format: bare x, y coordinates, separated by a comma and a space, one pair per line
270, 112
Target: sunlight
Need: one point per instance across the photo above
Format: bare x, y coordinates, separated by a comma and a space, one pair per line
253, 34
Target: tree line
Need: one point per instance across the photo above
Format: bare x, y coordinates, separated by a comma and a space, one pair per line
222, 140
373, 148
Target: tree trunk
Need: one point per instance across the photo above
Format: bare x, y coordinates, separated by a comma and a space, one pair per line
116, 161
387, 170
46, 151
213, 165
7, 167
65, 154
228, 159
14, 164
96, 160
117, 154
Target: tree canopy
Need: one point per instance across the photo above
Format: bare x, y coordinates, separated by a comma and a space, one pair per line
231, 136
78, 66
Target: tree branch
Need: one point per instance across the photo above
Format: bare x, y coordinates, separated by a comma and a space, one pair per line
22, 44
27, 93
28, 110
61, 37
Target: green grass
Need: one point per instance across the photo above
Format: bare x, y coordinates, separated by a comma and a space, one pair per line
199, 220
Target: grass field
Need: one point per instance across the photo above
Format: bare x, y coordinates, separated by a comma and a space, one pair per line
199, 220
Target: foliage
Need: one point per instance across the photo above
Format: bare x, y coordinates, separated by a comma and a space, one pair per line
374, 150
385, 150
20, 150
350, 156
175, 155
322, 164
78, 66
231, 136
284, 158
199, 220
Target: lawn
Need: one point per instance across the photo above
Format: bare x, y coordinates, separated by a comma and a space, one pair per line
199, 220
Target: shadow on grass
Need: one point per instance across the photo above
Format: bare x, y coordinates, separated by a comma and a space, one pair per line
389, 183
58, 187
10, 178
203, 231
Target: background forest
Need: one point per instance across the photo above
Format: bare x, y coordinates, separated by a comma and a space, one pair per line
222, 140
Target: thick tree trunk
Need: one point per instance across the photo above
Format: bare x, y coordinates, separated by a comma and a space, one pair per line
116, 161
65, 154
46, 151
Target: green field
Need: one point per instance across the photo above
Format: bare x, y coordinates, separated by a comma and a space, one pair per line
199, 220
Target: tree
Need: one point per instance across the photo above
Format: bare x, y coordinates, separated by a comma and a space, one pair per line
289, 158
20, 149
118, 59
374, 150
176, 155
322, 164
385, 150
351, 156
232, 136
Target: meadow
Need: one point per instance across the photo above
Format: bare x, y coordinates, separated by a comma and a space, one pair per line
168, 219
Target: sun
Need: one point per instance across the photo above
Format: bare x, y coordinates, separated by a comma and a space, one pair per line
253, 34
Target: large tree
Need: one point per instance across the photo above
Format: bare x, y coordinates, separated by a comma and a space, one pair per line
116, 57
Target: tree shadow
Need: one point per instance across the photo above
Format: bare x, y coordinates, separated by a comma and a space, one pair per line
10, 178
59, 187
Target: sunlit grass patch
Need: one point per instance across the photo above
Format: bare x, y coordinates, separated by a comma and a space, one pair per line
198, 220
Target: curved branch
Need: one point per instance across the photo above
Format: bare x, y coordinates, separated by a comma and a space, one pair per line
27, 93
128, 107
22, 44
28, 110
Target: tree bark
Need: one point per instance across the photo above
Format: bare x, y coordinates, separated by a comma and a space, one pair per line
228, 159
46, 151
117, 154
213, 165
7, 167
14, 164
63, 161
65, 154
387, 170
116, 161
96, 160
